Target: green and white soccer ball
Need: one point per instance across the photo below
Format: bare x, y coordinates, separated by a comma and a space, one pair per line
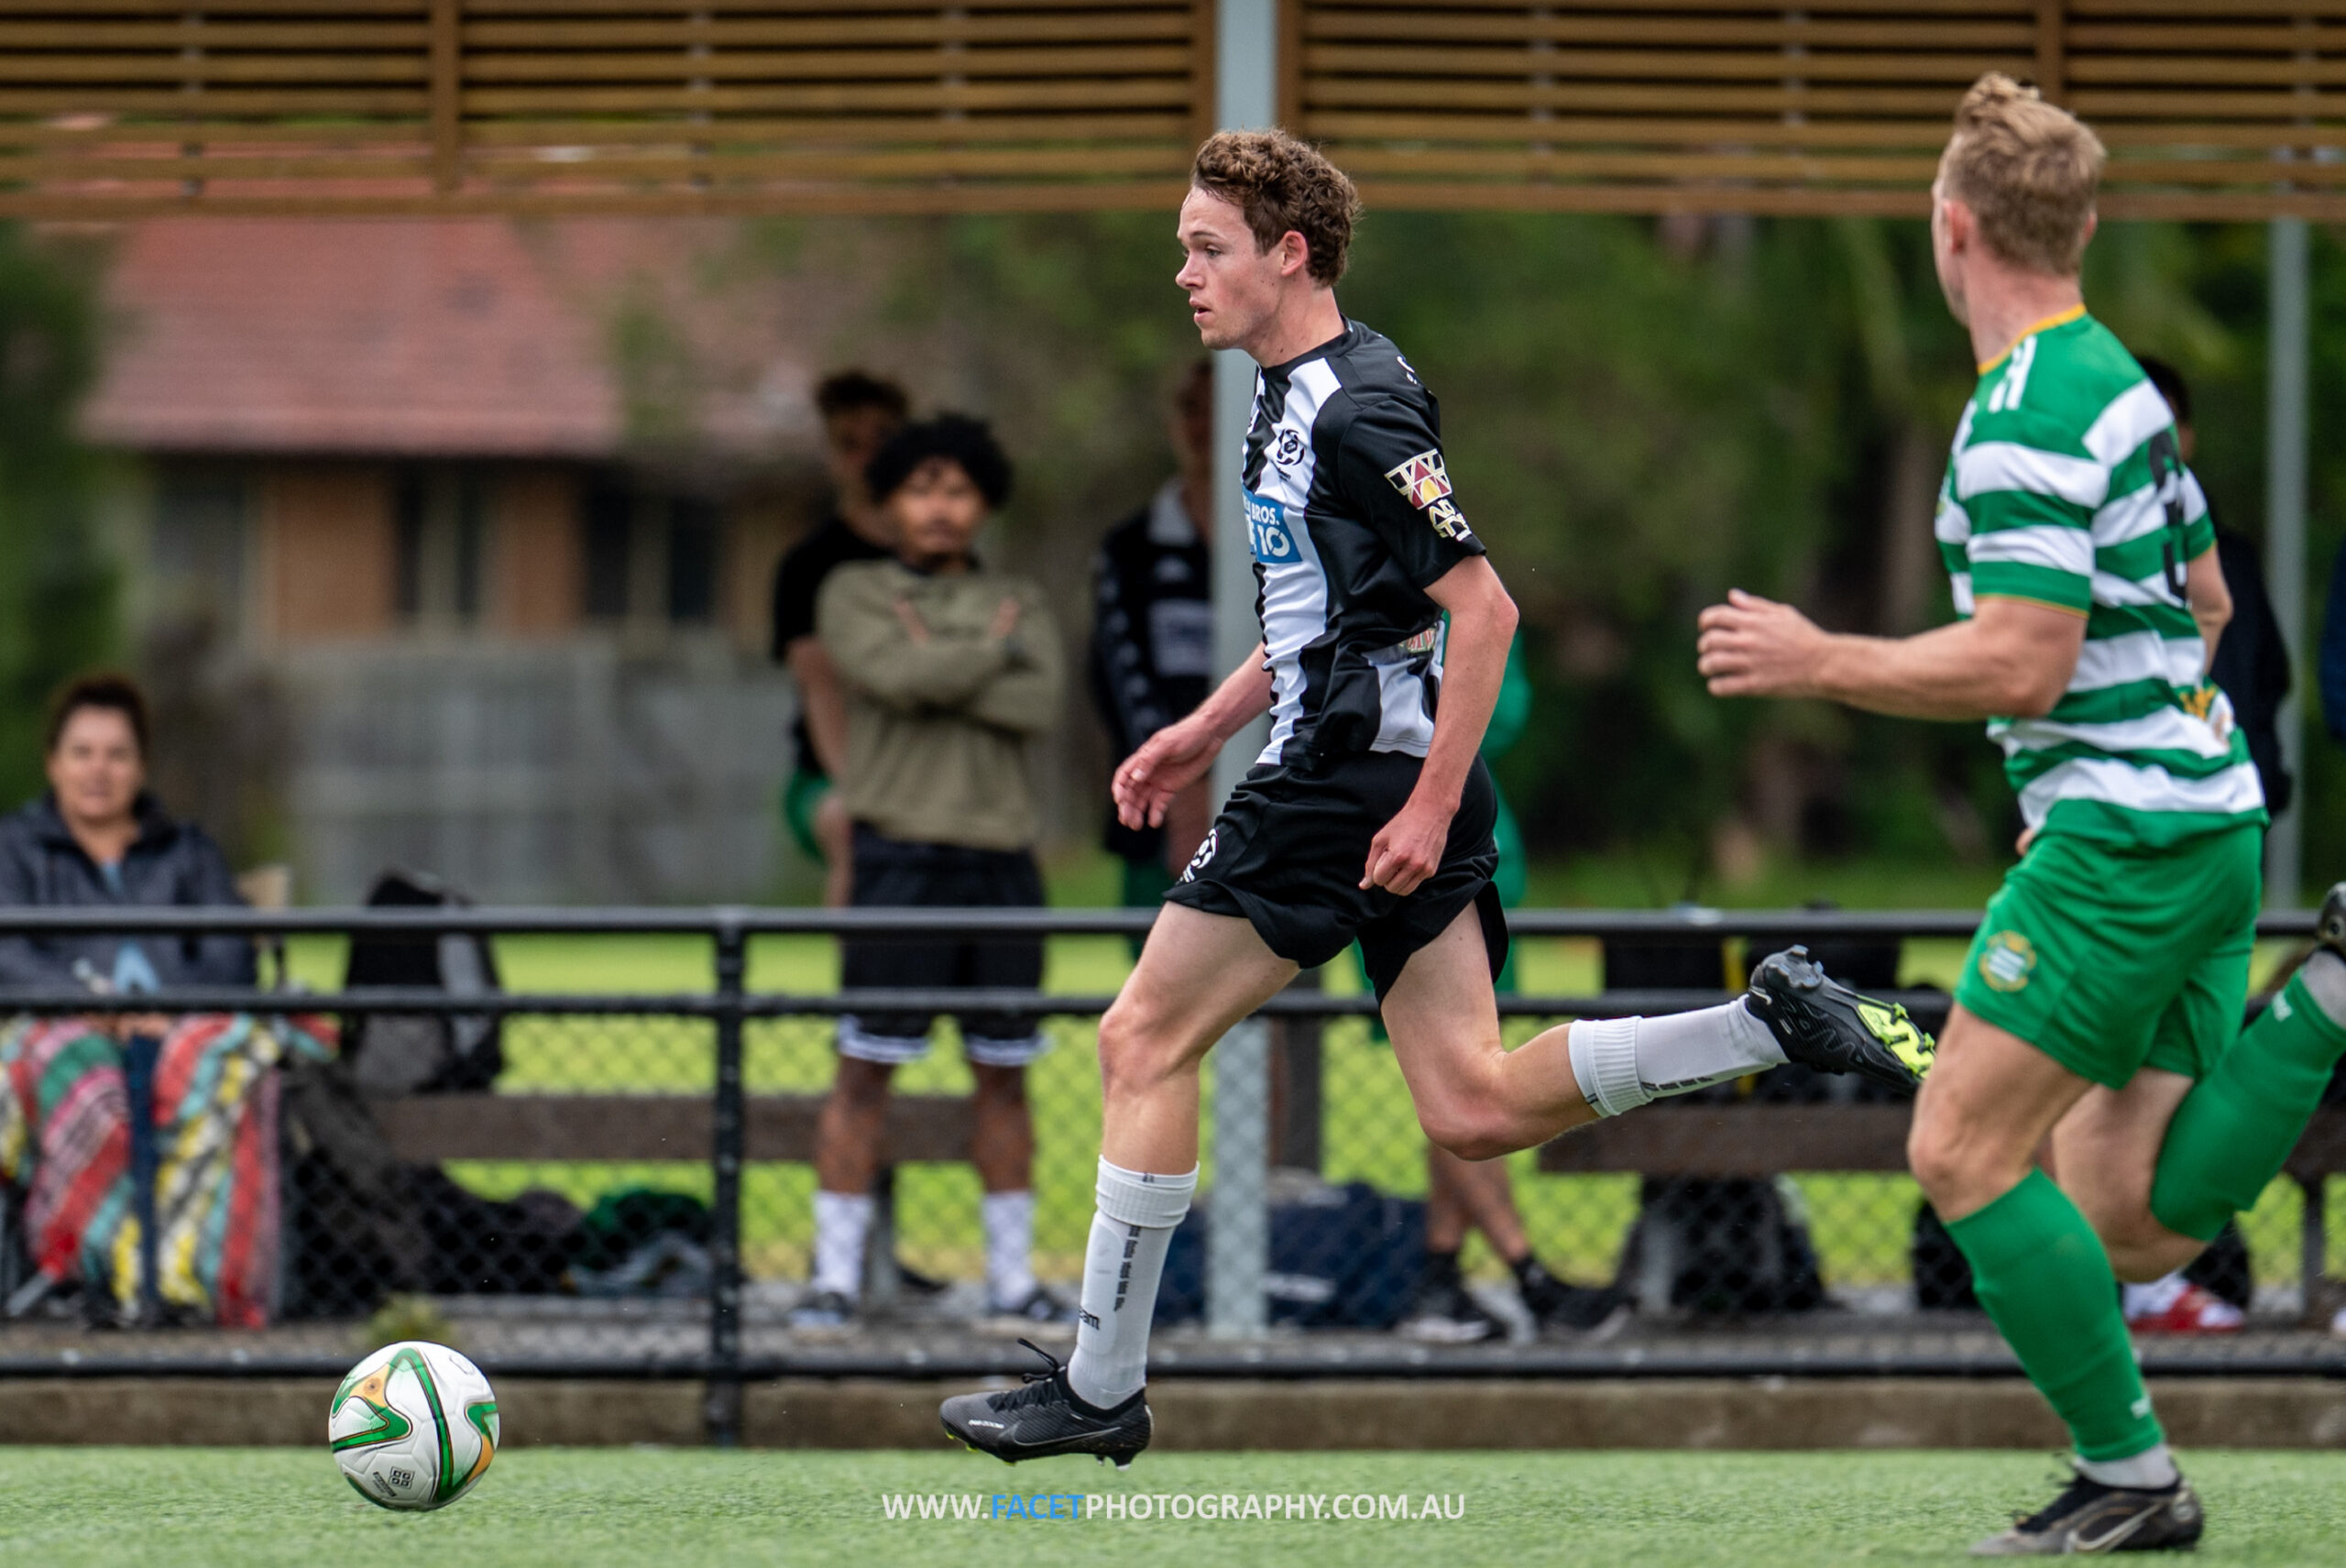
413, 1426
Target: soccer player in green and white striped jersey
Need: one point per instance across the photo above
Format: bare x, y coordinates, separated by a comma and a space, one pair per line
2100, 1004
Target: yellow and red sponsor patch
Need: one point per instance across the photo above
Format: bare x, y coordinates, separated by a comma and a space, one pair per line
1422, 480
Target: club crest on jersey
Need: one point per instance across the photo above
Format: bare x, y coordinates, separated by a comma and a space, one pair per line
1422, 480
1288, 450
1268, 533
1447, 520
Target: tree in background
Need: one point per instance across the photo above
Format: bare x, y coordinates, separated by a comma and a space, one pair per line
1639, 414
57, 589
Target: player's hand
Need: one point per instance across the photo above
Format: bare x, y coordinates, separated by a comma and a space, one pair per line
1755, 647
1408, 849
1147, 782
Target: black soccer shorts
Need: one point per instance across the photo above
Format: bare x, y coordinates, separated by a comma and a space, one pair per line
1287, 852
891, 873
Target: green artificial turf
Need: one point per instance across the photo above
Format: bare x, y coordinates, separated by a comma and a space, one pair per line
679, 1508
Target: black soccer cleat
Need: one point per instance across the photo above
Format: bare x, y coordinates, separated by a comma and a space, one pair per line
2330, 926
1824, 1025
1044, 1418
2089, 1516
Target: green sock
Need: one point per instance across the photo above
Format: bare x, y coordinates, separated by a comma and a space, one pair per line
2235, 1130
2042, 1276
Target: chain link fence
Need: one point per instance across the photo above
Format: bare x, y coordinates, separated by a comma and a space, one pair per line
614, 1175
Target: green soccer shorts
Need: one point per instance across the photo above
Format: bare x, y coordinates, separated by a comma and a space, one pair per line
2110, 961
800, 794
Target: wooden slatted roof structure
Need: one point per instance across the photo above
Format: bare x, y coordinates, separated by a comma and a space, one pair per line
109, 108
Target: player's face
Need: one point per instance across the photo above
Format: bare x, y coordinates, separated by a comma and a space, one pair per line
95, 767
1943, 256
1234, 286
938, 513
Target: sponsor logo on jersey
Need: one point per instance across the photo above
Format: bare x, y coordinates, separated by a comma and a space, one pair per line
1268, 534
1447, 520
1288, 450
2007, 961
1422, 480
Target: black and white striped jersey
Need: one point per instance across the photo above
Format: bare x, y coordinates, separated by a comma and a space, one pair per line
1350, 514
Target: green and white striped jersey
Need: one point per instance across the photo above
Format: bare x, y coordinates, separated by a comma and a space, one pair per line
2063, 490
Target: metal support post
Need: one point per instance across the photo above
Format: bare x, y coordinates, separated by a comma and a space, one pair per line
1238, 1241
1246, 75
2313, 1248
2285, 530
722, 1408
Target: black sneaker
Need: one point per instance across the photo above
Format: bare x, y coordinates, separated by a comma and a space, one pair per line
1824, 1025
1044, 1418
2089, 1517
913, 1282
823, 1309
2330, 926
1445, 1312
1038, 1306
1588, 1311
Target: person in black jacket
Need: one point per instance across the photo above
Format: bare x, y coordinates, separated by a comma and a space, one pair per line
2252, 666
1152, 633
97, 837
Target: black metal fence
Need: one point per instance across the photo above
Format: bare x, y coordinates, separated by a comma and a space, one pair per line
603, 1166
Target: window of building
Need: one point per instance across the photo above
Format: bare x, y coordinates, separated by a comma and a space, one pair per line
607, 522
198, 543
692, 562
439, 515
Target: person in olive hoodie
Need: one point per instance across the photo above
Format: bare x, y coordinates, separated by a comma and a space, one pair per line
952, 672
96, 837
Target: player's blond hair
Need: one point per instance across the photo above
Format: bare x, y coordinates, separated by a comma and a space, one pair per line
2028, 171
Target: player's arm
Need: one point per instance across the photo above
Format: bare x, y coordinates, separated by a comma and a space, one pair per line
2211, 598
1408, 849
2012, 659
819, 699
878, 644
1184, 749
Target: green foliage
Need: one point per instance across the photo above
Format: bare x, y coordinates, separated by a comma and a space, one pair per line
57, 587
1639, 416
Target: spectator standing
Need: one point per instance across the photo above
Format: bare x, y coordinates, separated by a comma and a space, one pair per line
1152, 633
96, 838
951, 672
860, 413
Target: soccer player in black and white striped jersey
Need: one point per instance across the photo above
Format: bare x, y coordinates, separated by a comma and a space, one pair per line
1368, 818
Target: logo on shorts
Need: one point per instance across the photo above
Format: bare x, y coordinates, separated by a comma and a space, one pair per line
1198, 861
2008, 961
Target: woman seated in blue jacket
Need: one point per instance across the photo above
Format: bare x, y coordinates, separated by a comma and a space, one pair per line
97, 837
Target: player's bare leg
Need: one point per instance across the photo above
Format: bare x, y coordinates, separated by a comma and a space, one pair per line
1479, 1100
1197, 975
2105, 1152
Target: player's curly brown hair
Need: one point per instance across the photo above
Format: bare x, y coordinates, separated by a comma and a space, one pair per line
2028, 171
1283, 184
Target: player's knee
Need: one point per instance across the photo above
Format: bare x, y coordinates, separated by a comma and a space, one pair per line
1131, 1055
1946, 1164
1470, 1130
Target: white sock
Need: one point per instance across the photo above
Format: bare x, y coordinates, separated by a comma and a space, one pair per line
1622, 1063
842, 1222
2148, 1300
1121, 1264
1010, 1244
2151, 1469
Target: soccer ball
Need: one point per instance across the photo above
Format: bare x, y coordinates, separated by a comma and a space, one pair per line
413, 1426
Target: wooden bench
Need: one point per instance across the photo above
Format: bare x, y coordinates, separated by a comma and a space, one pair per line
627, 1127
1767, 1140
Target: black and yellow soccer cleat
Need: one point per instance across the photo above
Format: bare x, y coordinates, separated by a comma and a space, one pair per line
1824, 1025
1044, 1418
2089, 1516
